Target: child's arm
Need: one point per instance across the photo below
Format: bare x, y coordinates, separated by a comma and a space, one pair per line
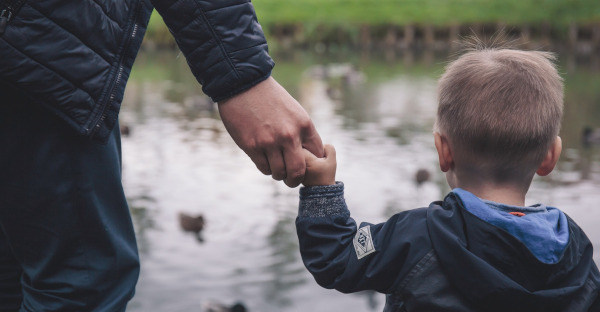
341, 256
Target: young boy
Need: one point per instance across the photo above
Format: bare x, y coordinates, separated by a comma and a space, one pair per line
480, 249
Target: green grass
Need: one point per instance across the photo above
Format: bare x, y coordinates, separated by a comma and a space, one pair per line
438, 12
350, 14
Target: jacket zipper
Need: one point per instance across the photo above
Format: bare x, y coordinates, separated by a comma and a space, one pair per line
5, 16
7, 12
111, 98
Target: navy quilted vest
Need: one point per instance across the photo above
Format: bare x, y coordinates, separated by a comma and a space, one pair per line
74, 56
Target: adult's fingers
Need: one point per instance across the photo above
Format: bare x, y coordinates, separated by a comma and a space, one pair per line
277, 164
295, 166
311, 140
308, 156
261, 162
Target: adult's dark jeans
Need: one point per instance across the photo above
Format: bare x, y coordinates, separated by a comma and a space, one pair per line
66, 238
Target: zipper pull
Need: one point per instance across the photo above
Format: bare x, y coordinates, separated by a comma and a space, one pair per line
4, 19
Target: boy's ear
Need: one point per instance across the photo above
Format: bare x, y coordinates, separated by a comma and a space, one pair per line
444, 152
551, 158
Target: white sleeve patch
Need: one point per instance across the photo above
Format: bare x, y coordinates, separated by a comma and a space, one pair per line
363, 242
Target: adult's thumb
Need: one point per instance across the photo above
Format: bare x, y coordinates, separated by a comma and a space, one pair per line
312, 142
329, 151
308, 155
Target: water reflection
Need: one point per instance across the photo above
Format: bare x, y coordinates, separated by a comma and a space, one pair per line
287, 273
142, 212
377, 110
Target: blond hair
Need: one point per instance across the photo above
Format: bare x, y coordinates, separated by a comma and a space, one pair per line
502, 108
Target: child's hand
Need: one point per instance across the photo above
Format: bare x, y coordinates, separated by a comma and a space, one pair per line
320, 171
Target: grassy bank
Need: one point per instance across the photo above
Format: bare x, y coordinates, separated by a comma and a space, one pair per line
316, 18
437, 12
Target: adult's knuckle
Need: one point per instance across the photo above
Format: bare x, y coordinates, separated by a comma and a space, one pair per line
279, 175
287, 135
296, 175
305, 123
296, 169
252, 146
264, 142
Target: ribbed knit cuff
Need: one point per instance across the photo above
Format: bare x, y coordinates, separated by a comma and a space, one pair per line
322, 201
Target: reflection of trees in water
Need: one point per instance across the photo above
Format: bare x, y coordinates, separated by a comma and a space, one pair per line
142, 215
396, 105
576, 166
162, 85
286, 269
578, 162
585, 163
196, 114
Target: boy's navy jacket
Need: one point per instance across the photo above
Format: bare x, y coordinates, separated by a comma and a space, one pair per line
75, 56
442, 258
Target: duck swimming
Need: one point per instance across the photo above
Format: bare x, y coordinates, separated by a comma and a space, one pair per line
422, 176
217, 307
590, 136
194, 224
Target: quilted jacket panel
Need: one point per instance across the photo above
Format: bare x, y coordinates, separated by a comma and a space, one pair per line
75, 56
223, 43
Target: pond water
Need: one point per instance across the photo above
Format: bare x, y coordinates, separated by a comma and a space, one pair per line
378, 111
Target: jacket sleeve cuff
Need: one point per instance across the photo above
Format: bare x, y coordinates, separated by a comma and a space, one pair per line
239, 89
322, 201
222, 41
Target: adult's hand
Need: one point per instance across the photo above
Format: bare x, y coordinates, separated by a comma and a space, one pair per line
269, 125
